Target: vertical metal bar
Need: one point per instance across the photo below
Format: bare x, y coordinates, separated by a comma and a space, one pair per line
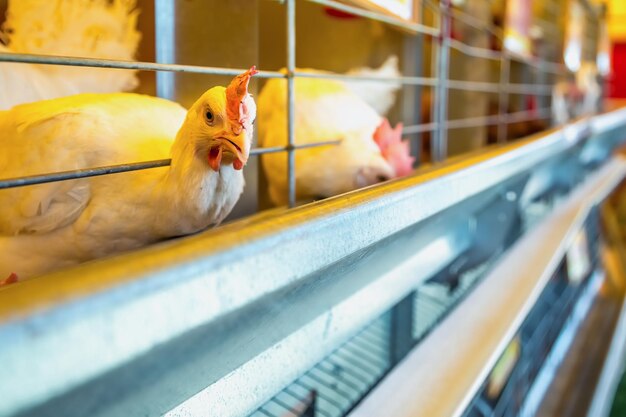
434, 91
441, 100
291, 99
503, 96
412, 95
402, 329
165, 49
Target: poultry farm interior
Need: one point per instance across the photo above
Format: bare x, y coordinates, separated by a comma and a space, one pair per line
311, 208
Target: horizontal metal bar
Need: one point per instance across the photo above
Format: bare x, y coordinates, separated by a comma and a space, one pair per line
273, 149
489, 87
472, 121
276, 149
251, 273
151, 66
475, 51
401, 80
540, 64
473, 86
419, 128
478, 121
81, 173
505, 298
316, 144
403, 24
133, 65
136, 166
535, 89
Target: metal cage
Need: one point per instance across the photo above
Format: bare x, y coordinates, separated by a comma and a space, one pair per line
278, 314
442, 44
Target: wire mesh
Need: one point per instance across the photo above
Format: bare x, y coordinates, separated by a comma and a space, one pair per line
440, 32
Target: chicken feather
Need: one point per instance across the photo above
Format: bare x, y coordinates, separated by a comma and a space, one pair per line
325, 110
103, 29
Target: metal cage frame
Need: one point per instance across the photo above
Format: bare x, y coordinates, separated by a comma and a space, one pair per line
439, 125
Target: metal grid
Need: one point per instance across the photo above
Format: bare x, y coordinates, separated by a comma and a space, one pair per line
439, 127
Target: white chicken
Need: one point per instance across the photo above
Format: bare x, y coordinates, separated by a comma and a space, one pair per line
48, 226
380, 95
78, 28
326, 110
577, 96
588, 83
565, 96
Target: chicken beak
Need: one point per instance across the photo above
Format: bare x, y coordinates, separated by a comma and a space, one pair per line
234, 145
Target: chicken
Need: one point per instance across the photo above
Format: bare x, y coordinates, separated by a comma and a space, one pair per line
380, 95
581, 96
78, 28
325, 110
566, 99
587, 81
48, 226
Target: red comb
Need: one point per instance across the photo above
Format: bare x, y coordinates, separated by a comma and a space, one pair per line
393, 149
236, 92
11, 279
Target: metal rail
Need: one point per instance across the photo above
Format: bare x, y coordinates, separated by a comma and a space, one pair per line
518, 279
136, 166
131, 65
152, 66
412, 27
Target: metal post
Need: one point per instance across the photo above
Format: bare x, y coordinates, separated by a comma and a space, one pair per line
291, 99
412, 97
503, 97
434, 111
441, 99
165, 48
401, 337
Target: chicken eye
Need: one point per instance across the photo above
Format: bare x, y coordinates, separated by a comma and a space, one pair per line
209, 116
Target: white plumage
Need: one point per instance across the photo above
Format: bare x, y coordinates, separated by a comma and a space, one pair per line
582, 96
103, 29
47, 226
381, 96
588, 83
326, 110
